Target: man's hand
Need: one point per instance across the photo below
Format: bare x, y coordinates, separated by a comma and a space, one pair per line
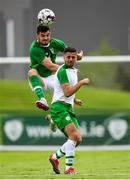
85, 81
78, 102
79, 55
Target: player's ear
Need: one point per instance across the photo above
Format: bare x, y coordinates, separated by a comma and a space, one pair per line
36, 35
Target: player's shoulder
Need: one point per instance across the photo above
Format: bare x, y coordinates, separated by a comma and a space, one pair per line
34, 46
65, 69
61, 69
58, 44
56, 41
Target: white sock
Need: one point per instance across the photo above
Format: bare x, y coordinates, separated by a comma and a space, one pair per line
69, 153
59, 153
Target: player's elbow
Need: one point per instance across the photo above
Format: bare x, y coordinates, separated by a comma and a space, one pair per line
53, 68
67, 90
67, 94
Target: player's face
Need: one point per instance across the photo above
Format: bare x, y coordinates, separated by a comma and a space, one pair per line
70, 58
44, 37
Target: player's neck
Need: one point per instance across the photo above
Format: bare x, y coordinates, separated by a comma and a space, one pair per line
43, 44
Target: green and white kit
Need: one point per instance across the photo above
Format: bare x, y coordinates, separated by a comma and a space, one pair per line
38, 54
62, 107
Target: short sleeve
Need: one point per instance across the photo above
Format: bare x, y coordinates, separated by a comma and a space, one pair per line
62, 76
37, 54
60, 44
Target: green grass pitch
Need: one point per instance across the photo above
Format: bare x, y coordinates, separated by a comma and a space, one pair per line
17, 96
90, 165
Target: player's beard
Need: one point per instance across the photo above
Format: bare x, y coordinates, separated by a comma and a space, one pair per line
70, 64
45, 44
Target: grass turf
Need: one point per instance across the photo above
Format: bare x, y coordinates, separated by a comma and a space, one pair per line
17, 96
90, 165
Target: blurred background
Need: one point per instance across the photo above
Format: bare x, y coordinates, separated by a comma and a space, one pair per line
100, 28
85, 24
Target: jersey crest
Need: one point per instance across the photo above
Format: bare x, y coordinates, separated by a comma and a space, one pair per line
52, 50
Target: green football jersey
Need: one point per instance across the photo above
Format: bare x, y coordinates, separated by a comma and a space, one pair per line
39, 52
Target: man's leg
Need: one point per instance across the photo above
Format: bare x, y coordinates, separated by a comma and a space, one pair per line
49, 86
54, 158
74, 140
36, 85
67, 149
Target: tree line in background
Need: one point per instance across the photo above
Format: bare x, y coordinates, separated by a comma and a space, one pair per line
120, 73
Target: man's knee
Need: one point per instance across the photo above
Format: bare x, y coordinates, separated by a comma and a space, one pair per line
77, 138
32, 72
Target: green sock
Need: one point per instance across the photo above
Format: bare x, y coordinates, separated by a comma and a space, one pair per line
37, 86
58, 154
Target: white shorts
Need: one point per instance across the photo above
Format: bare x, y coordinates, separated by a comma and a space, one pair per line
48, 83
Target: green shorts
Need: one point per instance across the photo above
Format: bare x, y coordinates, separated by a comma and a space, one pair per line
62, 115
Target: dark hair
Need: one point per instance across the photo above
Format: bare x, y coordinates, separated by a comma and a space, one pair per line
42, 28
69, 49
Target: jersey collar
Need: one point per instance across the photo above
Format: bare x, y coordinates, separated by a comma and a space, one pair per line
43, 45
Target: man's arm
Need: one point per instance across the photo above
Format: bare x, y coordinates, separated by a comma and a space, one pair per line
48, 64
69, 90
78, 102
